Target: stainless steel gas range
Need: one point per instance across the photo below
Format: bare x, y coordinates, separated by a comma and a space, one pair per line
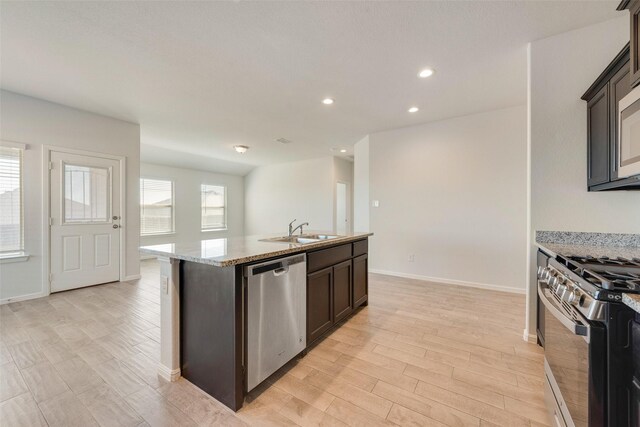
587, 333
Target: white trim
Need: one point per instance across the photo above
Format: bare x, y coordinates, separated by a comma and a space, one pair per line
168, 374
132, 277
11, 144
23, 297
46, 209
532, 338
442, 281
14, 257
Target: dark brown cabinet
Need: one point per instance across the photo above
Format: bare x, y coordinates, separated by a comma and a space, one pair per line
603, 98
342, 290
634, 38
360, 280
319, 303
598, 138
336, 285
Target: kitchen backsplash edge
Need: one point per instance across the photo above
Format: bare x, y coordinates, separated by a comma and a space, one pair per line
586, 238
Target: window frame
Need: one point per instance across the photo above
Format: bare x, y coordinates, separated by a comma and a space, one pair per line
173, 206
224, 207
20, 251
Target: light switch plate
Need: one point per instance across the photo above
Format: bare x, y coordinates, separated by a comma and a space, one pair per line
376, 203
164, 282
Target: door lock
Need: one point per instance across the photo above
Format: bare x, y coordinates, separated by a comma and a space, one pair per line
116, 217
116, 226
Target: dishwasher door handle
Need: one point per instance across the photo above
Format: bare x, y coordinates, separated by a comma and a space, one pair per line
281, 271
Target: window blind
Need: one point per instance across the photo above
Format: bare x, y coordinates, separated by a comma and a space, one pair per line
11, 208
213, 207
156, 206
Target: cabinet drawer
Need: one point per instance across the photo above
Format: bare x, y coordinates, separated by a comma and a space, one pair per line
360, 247
327, 257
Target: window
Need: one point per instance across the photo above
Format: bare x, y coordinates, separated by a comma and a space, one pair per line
213, 207
11, 226
86, 194
156, 206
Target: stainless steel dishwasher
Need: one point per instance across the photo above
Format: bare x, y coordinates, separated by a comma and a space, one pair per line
276, 315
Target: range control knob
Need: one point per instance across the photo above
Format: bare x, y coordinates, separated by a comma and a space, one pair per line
574, 297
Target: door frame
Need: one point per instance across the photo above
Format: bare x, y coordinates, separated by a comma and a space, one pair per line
46, 208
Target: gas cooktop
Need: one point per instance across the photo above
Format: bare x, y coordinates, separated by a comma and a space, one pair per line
613, 274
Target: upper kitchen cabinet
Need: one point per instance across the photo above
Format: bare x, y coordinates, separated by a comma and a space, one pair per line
603, 99
634, 37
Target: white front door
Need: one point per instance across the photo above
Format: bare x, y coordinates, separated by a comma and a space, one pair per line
85, 220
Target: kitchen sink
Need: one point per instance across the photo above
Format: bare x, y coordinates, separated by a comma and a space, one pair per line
303, 239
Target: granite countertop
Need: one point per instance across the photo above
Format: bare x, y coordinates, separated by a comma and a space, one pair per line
632, 300
230, 251
609, 245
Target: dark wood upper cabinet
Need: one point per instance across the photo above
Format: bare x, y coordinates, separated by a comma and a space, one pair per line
603, 98
634, 36
598, 138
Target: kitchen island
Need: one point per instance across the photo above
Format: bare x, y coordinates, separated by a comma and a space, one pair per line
204, 308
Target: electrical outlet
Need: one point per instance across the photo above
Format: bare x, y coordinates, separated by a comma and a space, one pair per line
376, 203
412, 257
164, 282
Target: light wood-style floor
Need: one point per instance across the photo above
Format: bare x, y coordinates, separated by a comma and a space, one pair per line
420, 354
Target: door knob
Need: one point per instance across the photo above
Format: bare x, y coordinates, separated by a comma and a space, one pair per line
116, 226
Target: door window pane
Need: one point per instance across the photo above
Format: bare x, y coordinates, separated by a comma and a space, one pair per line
87, 193
156, 206
213, 207
10, 200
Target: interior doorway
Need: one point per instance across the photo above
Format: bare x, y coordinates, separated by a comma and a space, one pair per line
342, 208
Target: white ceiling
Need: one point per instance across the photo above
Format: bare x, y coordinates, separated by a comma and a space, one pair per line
201, 77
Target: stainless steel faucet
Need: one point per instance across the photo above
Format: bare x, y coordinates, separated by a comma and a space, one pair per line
293, 230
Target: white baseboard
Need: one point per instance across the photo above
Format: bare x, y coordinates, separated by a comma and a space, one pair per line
532, 338
146, 257
168, 374
23, 297
132, 277
442, 281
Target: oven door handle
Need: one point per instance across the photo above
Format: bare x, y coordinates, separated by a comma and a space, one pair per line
575, 328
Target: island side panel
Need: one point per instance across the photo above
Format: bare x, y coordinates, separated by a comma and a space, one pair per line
169, 367
211, 330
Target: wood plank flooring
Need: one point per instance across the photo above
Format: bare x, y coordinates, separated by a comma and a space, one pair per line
420, 354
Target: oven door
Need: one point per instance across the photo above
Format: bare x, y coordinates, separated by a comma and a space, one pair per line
577, 385
629, 135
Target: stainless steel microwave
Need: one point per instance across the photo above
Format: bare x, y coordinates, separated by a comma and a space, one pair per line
628, 144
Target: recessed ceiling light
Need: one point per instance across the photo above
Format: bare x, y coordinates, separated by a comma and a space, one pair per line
343, 151
241, 148
327, 101
427, 72
413, 109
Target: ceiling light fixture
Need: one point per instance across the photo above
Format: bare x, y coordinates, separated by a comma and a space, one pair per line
413, 109
427, 72
241, 148
343, 151
327, 101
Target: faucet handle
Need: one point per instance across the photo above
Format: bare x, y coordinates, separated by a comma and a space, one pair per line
291, 223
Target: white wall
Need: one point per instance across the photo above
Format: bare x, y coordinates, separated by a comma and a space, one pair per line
304, 190
561, 68
187, 203
361, 185
36, 122
453, 193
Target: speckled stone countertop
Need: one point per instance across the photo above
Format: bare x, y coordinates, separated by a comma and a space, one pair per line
610, 245
632, 301
230, 251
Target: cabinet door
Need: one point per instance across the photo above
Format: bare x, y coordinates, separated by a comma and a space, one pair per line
620, 86
598, 138
634, 11
360, 280
342, 290
319, 303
